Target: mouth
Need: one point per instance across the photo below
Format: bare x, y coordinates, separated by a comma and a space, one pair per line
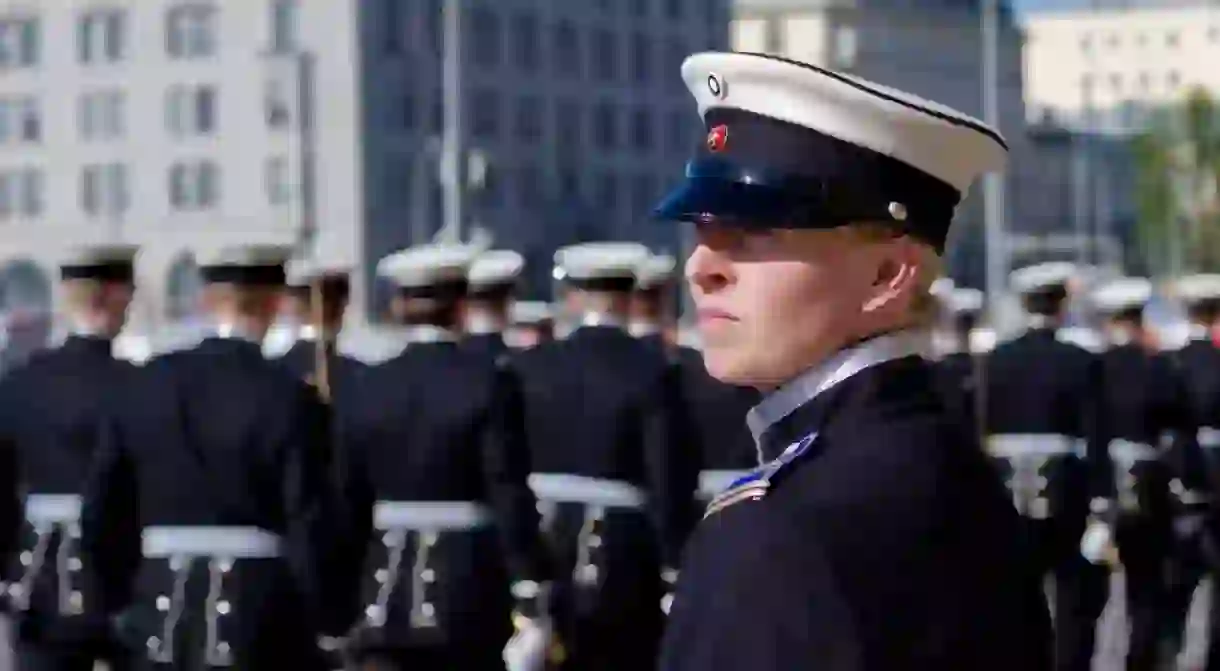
714, 316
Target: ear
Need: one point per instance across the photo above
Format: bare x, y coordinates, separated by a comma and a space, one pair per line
898, 266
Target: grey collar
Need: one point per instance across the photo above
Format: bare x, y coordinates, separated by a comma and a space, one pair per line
428, 333
842, 365
643, 329
228, 331
602, 319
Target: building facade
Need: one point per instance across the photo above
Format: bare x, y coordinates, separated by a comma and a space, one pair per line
181, 124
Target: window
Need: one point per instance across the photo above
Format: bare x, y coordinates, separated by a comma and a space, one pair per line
641, 129
674, 10
408, 116
607, 191
191, 110
101, 36
103, 189
392, 25
605, 126
529, 187
641, 58
845, 46
1174, 79
569, 122
529, 118
1086, 43
21, 193
190, 31
485, 113
566, 51
194, 185
100, 115
1116, 82
485, 38
19, 39
605, 55
20, 120
1171, 40
276, 180
525, 30
284, 27
278, 104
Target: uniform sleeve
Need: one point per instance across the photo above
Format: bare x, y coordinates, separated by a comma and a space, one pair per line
110, 521
506, 469
10, 504
310, 504
1095, 431
357, 497
1185, 457
672, 466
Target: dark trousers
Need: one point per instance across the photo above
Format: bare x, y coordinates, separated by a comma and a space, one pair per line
48, 658
1081, 591
438, 658
1144, 544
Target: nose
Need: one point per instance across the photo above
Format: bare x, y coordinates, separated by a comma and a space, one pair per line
707, 270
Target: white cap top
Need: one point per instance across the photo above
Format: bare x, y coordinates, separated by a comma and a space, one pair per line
655, 271
601, 260
527, 313
1121, 294
427, 265
1042, 276
498, 266
1197, 288
92, 255
942, 287
243, 256
303, 270
963, 300
938, 140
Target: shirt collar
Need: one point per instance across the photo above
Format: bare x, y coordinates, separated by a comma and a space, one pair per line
643, 329
429, 333
821, 377
480, 324
602, 319
1040, 322
1199, 332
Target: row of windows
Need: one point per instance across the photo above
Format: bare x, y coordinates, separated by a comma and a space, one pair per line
103, 34
529, 118
1171, 39
105, 188
1142, 82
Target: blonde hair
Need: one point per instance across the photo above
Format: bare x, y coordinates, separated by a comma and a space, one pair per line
924, 306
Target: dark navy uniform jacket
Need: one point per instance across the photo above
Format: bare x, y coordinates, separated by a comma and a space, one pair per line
50, 410
215, 436
958, 377
602, 405
491, 345
1037, 384
715, 422
883, 541
439, 425
343, 370
1198, 364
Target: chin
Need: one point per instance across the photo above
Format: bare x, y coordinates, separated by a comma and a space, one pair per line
728, 367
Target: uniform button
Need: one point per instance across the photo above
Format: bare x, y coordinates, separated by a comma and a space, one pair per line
222, 607
427, 609
27, 558
153, 643
76, 601
381, 575
15, 591
222, 647
225, 565
74, 564
428, 575
163, 603
595, 542
176, 563
374, 614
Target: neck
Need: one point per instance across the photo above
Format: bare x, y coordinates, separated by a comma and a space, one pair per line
91, 326
829, 372
594, 318
1035, 321
642, 328
422, 333
483, 322
241, 327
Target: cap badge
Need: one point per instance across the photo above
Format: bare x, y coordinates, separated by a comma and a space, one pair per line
718, 138
715, 86
898, 211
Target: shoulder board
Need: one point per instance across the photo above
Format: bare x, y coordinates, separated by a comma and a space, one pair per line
755, 485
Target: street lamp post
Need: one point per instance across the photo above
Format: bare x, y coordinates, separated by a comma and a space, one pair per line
993, 183
451, 149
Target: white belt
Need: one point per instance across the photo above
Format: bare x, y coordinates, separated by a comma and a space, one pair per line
41, 509
1018, 445
712, 482
431, 515
205, 541
567, 488
1131, 452
1208, 437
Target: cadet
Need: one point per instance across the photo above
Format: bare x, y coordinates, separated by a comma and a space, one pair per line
875, 535
1147, 412
50, 409
293, 321
492, 283
531, 324
651, 302
958, 368
214, 473
601, 419
1198, 364
435, 468
327, 288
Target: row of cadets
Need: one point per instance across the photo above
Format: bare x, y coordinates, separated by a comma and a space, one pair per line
1149, 434
206, 519
959, 365
600, 412
1197, 361
434, 470
531, 323
1042, 427
49, 407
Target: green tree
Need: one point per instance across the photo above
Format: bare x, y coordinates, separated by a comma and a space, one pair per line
1178, 176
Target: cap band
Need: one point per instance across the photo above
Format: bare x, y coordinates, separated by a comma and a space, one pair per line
116, 271
760, 171
243, 275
